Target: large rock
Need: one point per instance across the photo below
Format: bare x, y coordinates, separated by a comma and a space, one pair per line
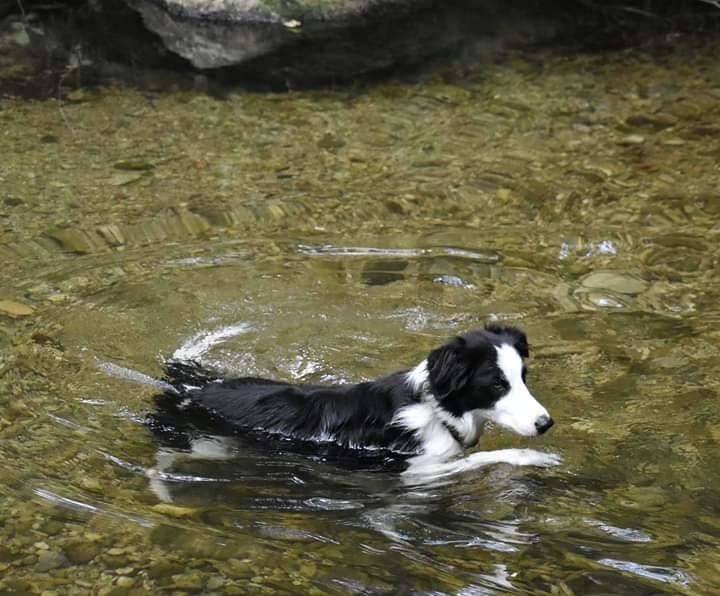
308, 41
304, 39
281, 43
281, 11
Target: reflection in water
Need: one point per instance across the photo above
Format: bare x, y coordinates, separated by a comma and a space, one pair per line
336, 235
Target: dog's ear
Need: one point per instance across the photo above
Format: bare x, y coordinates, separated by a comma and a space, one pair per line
520, 342
448, 367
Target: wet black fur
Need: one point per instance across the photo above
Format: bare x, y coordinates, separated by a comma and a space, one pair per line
462, 374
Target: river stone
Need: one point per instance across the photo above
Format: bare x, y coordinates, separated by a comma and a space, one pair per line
82, 551
632, 140
290, 14
215, 583
7, 555
161, 569
188, 582
615, 281
125, 571
236, 569
50, 559
77, 241
174, 510
15, 309
125, 582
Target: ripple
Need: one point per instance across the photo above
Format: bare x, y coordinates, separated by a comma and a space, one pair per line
307, 504
327, 504
625, 534
291, 533
71, 424
476, 541
201, 343
655, 572
77, 505
418, 319
370, 251
159, 474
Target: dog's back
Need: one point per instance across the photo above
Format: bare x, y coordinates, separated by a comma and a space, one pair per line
352, 416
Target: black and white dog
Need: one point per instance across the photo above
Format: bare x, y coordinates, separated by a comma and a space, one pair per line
428, 415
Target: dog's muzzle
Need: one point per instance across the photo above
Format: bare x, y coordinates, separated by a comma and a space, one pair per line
543, 424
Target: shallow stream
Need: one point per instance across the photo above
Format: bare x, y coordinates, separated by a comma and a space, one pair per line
339, 234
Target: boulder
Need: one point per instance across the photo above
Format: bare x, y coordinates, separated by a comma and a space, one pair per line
288, 12
300, 41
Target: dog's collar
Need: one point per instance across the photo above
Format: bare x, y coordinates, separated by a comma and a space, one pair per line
440, 413
453, 433
419, 381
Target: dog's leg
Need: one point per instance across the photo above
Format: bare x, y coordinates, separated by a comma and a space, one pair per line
420, 470
516, 457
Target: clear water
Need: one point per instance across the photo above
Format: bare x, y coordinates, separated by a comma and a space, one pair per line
337, 235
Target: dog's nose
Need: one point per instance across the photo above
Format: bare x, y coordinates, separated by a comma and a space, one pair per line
543, 423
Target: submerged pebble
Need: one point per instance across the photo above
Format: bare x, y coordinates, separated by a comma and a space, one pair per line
82, 551
15, 309
632, 140
50, 559
215, 582
616, 281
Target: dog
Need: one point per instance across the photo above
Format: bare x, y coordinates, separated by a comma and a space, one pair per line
428, 415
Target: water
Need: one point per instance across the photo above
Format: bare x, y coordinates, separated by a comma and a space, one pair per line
336, 235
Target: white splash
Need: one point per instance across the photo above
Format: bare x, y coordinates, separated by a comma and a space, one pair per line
201, 343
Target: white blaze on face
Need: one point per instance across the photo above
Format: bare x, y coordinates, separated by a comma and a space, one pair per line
517, 410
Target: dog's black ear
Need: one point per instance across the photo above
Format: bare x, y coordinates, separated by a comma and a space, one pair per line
448, 367
519, 339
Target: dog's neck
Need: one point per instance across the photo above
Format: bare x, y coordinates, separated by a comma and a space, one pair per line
465, 429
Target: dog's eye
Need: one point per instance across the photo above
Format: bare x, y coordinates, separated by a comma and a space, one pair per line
498, 386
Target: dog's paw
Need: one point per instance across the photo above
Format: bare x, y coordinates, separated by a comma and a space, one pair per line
514, 457
532, 457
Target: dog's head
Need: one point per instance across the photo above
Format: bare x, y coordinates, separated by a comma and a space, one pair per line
484, 371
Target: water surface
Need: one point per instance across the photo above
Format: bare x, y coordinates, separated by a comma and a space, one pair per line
335, 235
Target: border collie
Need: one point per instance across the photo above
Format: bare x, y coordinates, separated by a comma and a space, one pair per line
428, 415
